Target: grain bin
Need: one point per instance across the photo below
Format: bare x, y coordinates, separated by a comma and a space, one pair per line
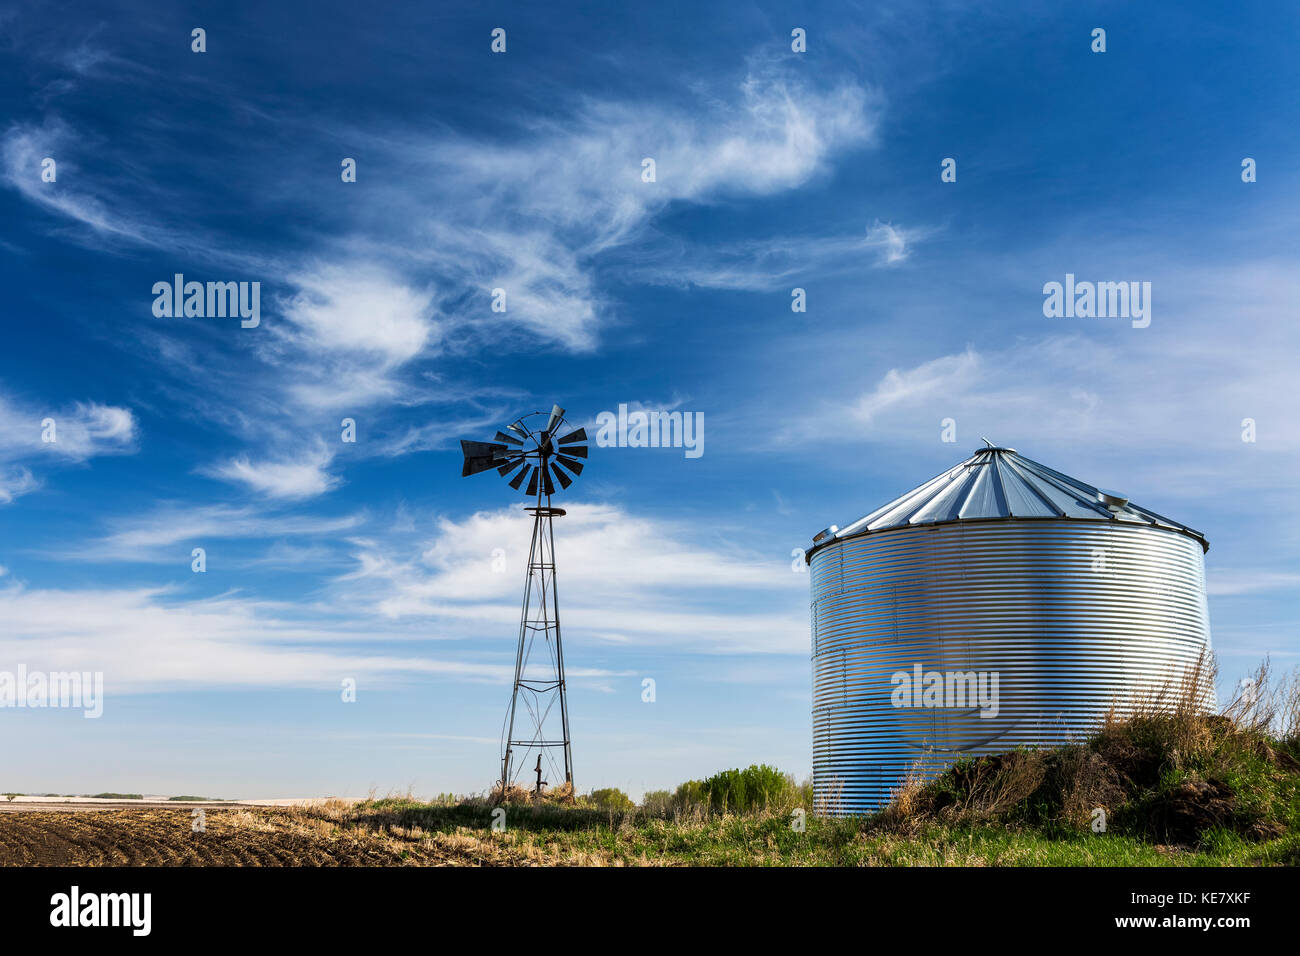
1000, 604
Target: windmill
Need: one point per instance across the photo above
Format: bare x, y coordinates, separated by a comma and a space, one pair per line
529, 451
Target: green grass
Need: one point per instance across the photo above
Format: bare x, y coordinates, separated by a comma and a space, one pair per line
582, 835
1174, 785
118, 796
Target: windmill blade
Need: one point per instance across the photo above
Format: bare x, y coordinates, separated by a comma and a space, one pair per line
577, 451
510, 465
519, 428
565, 480
572, 464
532, 482
557, 416
548, 486
480, 456
474, 466
509, 439
518, 479
480, 449
579, 435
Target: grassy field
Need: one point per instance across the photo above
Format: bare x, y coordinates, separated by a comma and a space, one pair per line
582, 836
399, 832
1166, 786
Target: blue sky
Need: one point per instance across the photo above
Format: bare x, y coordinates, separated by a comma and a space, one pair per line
522, 170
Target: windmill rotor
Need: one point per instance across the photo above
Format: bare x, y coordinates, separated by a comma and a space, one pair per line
538, 456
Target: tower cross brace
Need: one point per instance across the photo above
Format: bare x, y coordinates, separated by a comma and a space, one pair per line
539, 664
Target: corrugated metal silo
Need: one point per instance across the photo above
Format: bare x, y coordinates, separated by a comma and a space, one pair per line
1053, 598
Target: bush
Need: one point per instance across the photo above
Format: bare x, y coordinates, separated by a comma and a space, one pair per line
657, 803
689, 796
610, 798
757, 787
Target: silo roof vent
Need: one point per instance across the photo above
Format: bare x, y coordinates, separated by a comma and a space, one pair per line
825, 535
1113, 500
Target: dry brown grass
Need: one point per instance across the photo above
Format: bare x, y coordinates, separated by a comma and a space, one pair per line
1264, 704
830, 803
1163, 761
515, 794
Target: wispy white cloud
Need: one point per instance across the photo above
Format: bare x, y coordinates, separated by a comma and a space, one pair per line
290, 478
778, 263
348, 332
1074, 387
948, 378
361, 310
151, 640
534, 217
1228, 582
440, 432
16, 482
624, 577
893, 242
143, 641
93, 59
25, 147
79, 432
156, 535
105, 200
1116, 397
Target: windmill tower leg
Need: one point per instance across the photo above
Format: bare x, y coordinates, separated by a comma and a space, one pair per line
539, 686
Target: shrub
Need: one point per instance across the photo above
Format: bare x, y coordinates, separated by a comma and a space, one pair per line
657, 803
757, 787
690, 796
610, 798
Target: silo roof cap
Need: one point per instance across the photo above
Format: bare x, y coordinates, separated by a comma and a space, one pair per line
1001, 483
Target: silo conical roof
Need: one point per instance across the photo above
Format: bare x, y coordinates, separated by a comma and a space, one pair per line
1001, 483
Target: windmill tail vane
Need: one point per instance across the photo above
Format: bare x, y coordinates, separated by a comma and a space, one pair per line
534, 452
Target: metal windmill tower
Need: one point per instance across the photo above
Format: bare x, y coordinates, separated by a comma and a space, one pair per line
533, 453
